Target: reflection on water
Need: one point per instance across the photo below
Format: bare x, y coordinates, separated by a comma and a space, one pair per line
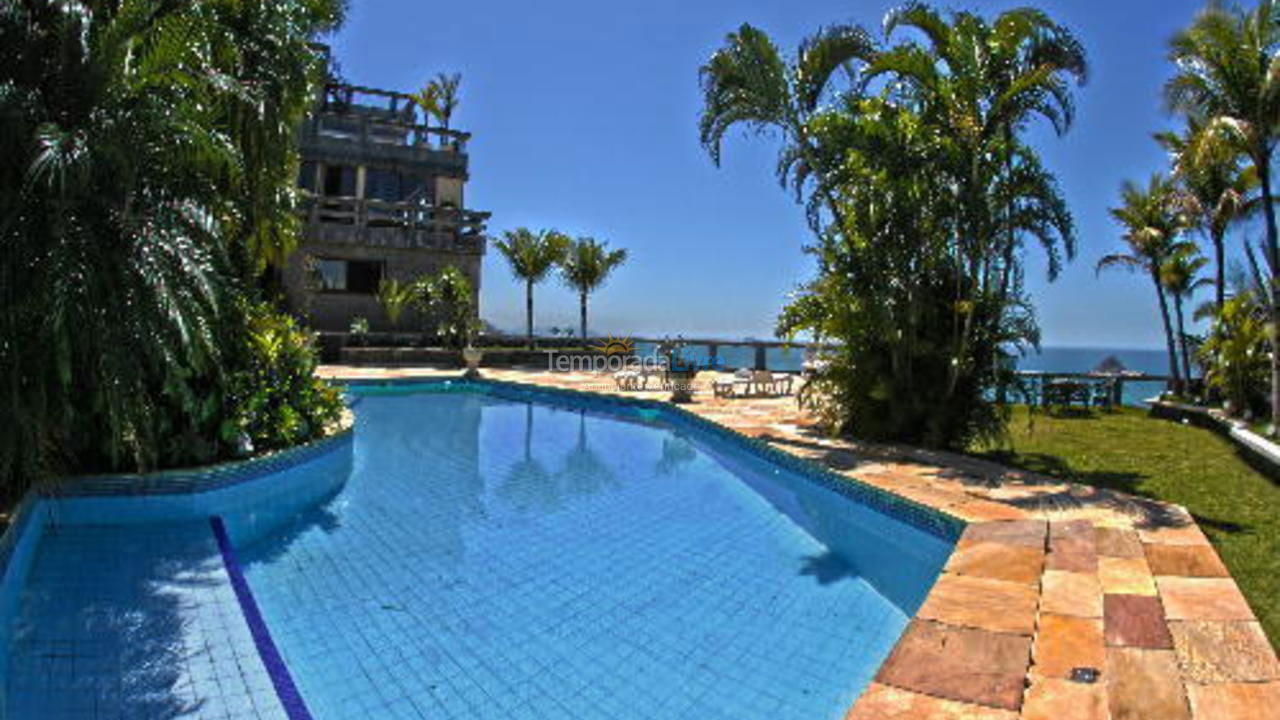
677, 452
528, 485
584, 472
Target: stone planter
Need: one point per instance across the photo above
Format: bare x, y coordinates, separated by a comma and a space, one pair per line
472, 357
681, 382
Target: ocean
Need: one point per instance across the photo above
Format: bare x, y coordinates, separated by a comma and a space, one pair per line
1049, 359
1153, 362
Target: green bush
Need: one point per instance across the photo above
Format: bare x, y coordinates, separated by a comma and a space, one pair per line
446, 302
276, 400
150, 160
1236, 356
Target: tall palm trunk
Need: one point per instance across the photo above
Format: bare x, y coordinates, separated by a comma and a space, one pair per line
528, 311
1168, 332
582, 298
1220, 277
1182, 338
1263, 163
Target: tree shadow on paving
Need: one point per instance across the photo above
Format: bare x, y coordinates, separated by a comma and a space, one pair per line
1051, 485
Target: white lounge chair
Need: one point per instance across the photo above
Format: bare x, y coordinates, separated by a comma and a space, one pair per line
627, 380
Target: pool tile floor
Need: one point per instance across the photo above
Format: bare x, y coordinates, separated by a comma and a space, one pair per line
186, 653
1140, 567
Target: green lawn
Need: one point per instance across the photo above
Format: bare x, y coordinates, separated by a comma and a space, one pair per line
1237, 507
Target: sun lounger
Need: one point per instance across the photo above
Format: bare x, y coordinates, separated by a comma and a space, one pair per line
746, 383
628, 380
782, 383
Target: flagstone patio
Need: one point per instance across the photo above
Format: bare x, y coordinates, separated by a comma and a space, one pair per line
1049, 579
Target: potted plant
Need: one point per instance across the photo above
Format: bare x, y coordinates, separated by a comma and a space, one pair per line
359, 331
472, 356
681, 371
447, 297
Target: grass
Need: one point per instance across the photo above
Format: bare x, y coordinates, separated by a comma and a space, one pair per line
1236, 506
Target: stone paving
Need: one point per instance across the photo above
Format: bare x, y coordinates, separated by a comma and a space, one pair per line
1050, 580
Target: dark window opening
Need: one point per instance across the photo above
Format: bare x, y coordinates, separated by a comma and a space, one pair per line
417, 188
340, 181
350, 276
383, 185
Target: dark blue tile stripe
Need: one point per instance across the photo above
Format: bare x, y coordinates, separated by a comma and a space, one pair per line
294, 706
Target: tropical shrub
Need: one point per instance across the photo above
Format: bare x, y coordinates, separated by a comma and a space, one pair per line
446, 301
148, 179
1227, 77
395, 297
358, 330
921, 195
275, 398
1237, 356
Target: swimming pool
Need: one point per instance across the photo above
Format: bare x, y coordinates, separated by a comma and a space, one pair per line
480, 551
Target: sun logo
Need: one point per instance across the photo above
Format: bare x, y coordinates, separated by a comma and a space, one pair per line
616, 346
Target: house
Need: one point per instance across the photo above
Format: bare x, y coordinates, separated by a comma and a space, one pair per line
384, 198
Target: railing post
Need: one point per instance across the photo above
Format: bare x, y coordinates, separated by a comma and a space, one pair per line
762, 358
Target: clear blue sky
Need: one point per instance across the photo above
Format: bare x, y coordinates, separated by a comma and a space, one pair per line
584, 117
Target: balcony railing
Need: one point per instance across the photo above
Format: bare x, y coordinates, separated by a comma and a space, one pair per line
397, 224
390, 118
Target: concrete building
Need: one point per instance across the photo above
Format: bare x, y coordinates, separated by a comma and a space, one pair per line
384, 199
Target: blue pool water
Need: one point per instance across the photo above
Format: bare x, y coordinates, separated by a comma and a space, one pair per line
487, 558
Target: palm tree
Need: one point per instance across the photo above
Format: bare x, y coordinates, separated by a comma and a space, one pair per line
532, 255
278, 80
149, 168
439, 98
985, 81
1218, 190
1227, 74
1152, 223
586, 266
1179, 274
748, 83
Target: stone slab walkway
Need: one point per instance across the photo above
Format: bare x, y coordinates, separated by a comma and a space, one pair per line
1060, 601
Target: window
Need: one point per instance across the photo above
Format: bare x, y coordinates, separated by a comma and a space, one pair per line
417, 188
340, 181
383, 185
349, 276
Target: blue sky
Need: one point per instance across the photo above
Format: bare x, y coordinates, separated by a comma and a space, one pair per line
584, 117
